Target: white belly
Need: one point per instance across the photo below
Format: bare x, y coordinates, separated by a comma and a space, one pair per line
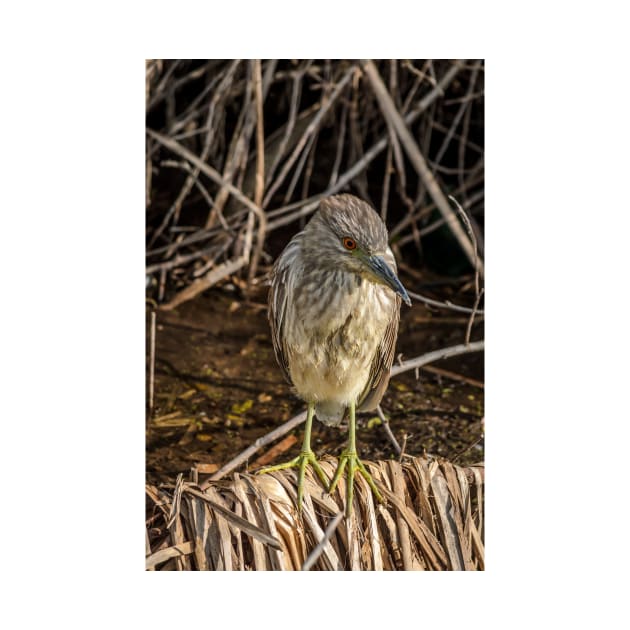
332, 348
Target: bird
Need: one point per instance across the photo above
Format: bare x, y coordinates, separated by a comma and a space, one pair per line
334, 309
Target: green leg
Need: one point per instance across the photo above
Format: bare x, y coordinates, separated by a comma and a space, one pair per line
305, 457
350, 458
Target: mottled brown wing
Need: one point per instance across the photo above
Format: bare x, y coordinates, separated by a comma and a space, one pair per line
382, 363
276, 313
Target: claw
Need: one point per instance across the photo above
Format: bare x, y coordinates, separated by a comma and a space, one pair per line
300, 462
350, 459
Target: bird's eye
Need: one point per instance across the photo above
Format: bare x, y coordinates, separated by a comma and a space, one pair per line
349, 243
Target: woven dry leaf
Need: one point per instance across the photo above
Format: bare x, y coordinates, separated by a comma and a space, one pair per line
432, 520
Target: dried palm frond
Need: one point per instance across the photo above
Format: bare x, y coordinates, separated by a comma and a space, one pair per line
432, 520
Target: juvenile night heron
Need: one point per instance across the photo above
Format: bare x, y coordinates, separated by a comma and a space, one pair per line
334, 307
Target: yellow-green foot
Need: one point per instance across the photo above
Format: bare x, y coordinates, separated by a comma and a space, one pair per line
350, 459
300, 462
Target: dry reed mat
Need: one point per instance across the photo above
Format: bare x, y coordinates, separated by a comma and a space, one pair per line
432, 520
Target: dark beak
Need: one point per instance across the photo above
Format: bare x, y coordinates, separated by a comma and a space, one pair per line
382, 271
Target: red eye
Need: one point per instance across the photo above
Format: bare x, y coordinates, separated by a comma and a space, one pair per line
349, 243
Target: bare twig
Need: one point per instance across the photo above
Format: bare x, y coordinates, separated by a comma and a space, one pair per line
226, 269
319, 549
388, 430
452, 375
334, 174
260, 169
256, 446
152, 362
309, 205
206, 169
443, 353
448, 305
296, 92
472, 317
177, 204
314, 124
419, 163
460, 112
478, 292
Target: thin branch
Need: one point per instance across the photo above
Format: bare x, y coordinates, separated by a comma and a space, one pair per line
228, 268
472, 317
417, 159
260, 169
256, 446
443, 353
388, 431
473, 238
447, 304
152, 362
314, 124
310, 205
453, 375
206, 169
319, 549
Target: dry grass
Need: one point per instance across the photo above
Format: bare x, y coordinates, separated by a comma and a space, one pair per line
432, 520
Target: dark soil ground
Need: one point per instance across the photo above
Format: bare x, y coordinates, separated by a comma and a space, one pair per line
218, 388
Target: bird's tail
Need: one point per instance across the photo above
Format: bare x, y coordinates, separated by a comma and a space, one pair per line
330, 413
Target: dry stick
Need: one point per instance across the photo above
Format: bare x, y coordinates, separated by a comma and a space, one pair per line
195, 237
355, 145
296, 93
460, 112
260, 168
388, 430
472, 317
152, 362
319, 549
220, 272
181, 128
309, 205
443, 353
478, 293
167, 265
308, 173
148, 176
437, 224
386, 178
341, 136
452, 375
394, 143
239, 145
473, 179
204, 193
404, 446
209, 280
473, 146
392, 115
461, 150
473, 239
256, 446
447, 304
310, 147
205, 151
314, 124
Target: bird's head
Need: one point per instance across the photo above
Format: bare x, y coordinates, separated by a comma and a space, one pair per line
346, 233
